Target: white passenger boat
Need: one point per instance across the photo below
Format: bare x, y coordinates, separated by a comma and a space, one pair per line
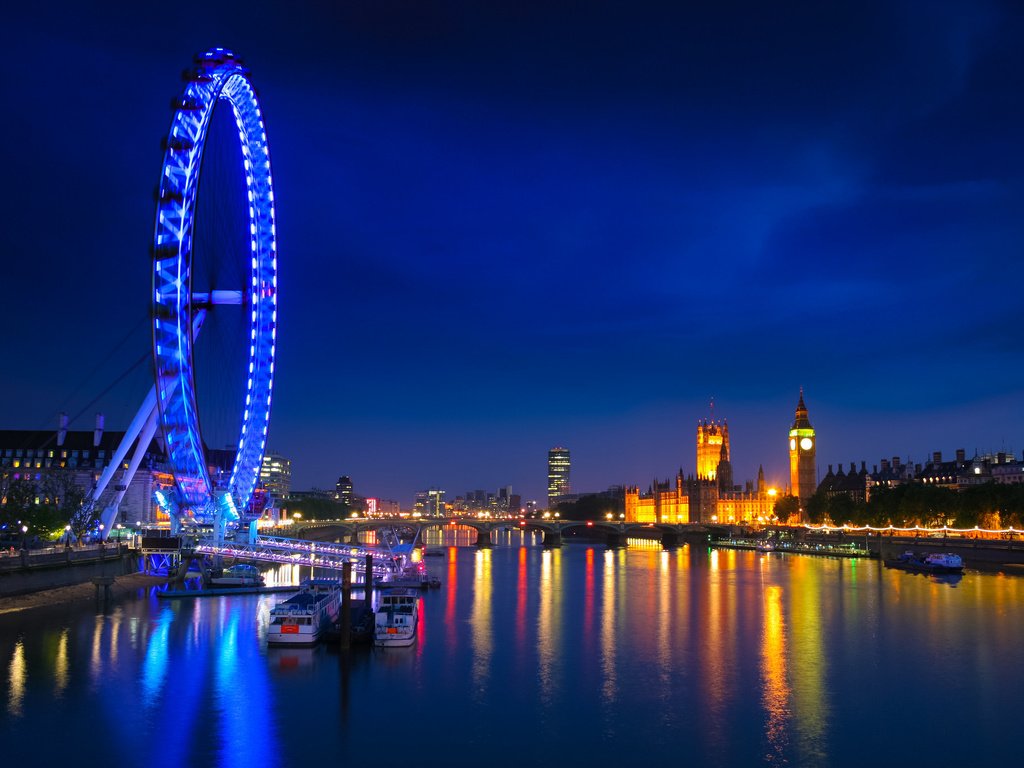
943, 563
241, 575
305, 616
396, 618
413, 576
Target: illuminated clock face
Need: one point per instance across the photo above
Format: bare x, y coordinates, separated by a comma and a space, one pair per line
806, 443
792, 443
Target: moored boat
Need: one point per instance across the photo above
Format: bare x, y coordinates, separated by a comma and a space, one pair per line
306, 615
240, 575
396, 618
413, 576
936, 562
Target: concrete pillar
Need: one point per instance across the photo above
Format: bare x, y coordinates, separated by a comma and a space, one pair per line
346, 605
616, 539
483, 538
104, 583
552, 538
671, 540
353, 537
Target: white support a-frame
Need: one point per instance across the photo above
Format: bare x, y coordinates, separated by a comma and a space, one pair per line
142, 428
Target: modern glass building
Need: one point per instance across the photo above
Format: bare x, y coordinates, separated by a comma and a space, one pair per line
558, 474
276, 476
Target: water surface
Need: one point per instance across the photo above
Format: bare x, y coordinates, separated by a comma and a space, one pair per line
534, 656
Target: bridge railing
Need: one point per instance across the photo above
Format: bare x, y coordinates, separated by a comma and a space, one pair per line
279, 549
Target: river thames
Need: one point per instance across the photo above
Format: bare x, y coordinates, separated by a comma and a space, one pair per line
605, 657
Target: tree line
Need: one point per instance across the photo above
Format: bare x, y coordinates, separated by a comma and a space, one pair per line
44, 506
989, 505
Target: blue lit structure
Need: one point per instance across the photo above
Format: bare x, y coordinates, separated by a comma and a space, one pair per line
178, 312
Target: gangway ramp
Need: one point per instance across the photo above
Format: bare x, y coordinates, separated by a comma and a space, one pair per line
317, 554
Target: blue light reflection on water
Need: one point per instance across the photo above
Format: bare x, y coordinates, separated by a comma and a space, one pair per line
530, 655
154, 666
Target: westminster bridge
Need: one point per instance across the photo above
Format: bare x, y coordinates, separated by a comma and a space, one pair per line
615, 533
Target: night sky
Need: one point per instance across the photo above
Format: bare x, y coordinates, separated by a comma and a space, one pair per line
505, 226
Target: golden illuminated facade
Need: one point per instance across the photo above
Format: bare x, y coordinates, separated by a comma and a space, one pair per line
712, 448
709, 497
661, 504
802, 447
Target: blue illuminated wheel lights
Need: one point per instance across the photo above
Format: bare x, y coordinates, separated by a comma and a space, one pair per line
178, 313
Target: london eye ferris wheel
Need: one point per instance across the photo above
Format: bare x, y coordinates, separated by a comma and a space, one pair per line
239, 275
218, 81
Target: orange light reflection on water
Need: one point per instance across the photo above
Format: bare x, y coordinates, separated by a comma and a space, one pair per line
609, 685
666, 599
17, 677
521, 594
548, 629
773, 673
480, 623
588, 601
60, 665
451, 590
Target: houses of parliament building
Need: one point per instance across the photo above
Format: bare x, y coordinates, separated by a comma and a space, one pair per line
709, 496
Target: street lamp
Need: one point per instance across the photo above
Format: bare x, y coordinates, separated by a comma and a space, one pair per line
24, 530
101, 534
67, 536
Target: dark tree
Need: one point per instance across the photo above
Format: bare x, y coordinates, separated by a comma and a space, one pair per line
786, 507
816, 508
593, 507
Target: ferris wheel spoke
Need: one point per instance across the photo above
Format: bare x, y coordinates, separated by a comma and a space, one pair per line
217, 297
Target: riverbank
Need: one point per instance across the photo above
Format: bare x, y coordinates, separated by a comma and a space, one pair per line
124, 587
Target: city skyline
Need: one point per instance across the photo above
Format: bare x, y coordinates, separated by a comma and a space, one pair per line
508, 228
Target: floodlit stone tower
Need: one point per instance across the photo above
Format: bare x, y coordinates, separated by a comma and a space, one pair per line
802, 445
712, 448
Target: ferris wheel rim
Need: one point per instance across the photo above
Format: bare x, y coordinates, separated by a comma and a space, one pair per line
218, 77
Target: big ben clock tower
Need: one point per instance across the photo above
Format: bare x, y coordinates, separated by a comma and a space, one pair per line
802, 444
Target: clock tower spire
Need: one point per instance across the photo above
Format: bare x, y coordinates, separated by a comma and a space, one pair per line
802, 445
